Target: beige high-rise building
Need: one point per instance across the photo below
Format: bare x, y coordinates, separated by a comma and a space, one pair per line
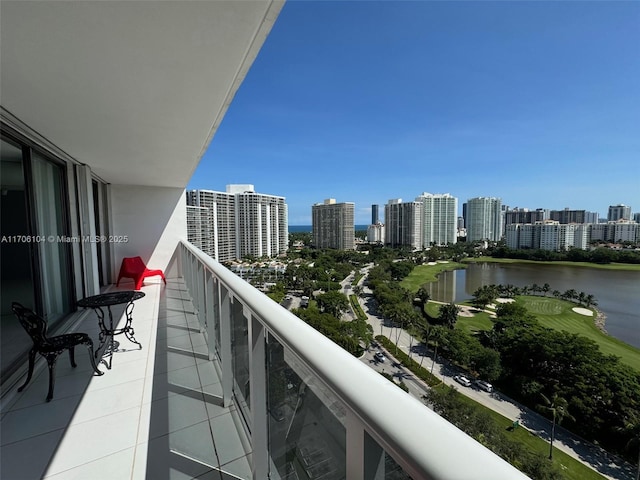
333, 225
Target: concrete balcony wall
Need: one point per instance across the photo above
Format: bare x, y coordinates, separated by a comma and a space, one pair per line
154, 220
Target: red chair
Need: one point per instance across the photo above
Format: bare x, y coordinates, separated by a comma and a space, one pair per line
134, 267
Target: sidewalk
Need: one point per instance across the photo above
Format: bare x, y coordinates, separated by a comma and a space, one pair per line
591, 455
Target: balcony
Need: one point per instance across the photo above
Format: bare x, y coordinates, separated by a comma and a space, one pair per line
228, 385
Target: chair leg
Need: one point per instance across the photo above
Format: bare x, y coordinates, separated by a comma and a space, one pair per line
32, 360
92, 359
51, 361
72, 358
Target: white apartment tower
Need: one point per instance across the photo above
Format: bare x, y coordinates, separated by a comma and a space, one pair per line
333, 225
199, 228
439, 219
549, 235
403, 224
484, 219
375, 233
241, 223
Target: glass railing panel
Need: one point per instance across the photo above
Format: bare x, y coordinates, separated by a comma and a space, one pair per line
393, 471
378, 464
307, 436
240, 357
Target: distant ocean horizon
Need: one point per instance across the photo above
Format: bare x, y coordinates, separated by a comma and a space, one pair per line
307, 228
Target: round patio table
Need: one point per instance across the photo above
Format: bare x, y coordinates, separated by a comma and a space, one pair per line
107, 332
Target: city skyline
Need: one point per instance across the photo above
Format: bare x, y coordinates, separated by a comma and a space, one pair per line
533, 103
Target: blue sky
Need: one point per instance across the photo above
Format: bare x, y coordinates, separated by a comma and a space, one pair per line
537, 103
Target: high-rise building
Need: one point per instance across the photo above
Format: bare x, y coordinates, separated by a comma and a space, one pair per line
619, 212
403, 224
221, 242
573, 216
619, 231
524, 215
375, 216
241, 223
484, 219
548, 235
333, 225
199, 229
375, 233
439, 219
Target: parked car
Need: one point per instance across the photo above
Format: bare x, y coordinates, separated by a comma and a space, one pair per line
379, 357
486, 386
462, 380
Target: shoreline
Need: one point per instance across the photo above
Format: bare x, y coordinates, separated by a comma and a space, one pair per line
626, 267
600, 321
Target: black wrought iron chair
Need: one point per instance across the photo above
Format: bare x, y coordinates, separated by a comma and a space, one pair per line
50, 347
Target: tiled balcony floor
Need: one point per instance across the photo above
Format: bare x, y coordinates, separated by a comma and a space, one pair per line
156, 414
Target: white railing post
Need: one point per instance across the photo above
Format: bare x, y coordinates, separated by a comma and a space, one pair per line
258, 382
225, 345
210, 307
355, 447
364, 457
200, 287
192, 278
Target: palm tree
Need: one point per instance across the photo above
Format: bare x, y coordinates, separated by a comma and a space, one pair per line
412, 321
570, 294
424, 296
438, 334
426, 333
581, 297
545, 289
449, 314
558, 408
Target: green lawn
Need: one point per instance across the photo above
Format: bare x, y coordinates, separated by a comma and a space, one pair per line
480, 321
427, 273
557, 314
432, 309
609, 266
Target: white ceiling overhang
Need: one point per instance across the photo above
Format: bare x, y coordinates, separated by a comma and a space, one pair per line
135, 89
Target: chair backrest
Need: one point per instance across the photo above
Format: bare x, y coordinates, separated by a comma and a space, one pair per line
34, 325
134, 264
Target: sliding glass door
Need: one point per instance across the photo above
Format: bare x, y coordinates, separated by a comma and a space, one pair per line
54, 253
16, 276
36, 263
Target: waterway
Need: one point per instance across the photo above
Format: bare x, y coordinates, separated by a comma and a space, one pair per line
617, 292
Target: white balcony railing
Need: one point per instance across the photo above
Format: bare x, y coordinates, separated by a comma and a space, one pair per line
312, 410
